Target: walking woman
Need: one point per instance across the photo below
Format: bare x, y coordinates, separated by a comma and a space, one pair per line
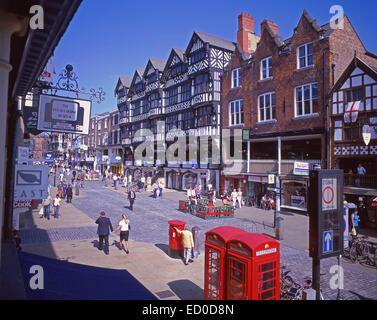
57, 203
124, 226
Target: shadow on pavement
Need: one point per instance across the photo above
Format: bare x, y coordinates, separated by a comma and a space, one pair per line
186, 290
360, 296
63, 280
163, 247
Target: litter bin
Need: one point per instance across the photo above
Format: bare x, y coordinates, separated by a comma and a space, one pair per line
195, 234
176, 249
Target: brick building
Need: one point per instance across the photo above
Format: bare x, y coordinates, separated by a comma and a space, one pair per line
278, 90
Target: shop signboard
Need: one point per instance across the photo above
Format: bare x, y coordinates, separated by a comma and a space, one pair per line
301, 168
246, 135
62, 114
23, 154
31, 182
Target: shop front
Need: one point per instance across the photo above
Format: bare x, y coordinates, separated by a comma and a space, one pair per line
116, 167
230, 183
189, 179
366, 202
294, 194
256, 187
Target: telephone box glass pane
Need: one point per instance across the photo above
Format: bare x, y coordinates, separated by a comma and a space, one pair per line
213, 274
267, 281
237, 281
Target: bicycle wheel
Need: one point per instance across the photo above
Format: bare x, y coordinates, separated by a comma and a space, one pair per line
353, 254
364, 252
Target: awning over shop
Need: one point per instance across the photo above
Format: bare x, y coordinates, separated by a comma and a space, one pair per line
361, 192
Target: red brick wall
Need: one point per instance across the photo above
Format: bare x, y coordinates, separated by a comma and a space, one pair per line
344, 43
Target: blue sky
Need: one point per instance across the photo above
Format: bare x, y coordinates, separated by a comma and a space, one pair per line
108, 39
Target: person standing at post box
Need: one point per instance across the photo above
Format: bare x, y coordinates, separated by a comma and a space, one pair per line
187, 242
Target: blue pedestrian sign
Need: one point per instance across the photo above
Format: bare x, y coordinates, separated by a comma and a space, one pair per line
328, 237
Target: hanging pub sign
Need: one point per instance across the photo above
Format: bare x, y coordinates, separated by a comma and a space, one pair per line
61, 114
367, 134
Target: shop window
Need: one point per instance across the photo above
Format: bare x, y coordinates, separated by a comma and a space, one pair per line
294, 194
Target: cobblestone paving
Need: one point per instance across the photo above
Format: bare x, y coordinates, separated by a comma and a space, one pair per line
149, 222
58, 234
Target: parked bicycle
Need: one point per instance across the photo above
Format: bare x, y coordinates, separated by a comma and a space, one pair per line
292, 290
361, 250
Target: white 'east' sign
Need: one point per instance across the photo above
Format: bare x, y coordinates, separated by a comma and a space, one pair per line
31, 182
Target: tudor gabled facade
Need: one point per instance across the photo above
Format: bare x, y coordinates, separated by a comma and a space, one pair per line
192, 104
353, 106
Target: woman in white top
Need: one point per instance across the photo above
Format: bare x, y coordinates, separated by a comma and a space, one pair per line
239, 197
234, 197
56, 203
124, 226
189, 193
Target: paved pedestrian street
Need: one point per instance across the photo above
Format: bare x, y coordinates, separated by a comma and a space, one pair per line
73, 238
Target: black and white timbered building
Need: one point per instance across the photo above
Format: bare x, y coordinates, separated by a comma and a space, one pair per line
184, 93
192, 104
353, 132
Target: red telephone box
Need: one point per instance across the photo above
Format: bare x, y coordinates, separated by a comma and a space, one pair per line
175, 239
253, 271
215, 261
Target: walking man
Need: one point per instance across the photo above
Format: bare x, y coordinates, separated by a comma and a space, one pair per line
131, 198
103, 231
69, 193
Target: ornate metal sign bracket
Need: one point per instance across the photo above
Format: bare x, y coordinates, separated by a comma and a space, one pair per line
68, 82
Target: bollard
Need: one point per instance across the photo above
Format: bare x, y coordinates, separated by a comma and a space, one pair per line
195, 235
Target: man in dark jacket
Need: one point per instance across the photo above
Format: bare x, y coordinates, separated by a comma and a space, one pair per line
104, 228
69, 194
131, 198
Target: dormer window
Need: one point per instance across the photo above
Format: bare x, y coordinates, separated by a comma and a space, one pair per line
178, 69
305, 56
266, 68
152, 78
121, 92
140, 86
197, 56
236, 78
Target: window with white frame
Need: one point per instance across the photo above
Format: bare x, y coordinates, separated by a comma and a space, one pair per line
266, 68
306, 100
305, 56
236, 113
236, 78
99, 125
267, 107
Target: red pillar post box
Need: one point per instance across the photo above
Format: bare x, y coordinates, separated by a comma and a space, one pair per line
175, 240
253, 271
215, 261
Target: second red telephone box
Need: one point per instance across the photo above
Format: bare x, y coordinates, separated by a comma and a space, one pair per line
253, 271
215, 261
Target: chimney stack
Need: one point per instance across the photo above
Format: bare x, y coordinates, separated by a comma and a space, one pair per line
246, 37
273, 26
